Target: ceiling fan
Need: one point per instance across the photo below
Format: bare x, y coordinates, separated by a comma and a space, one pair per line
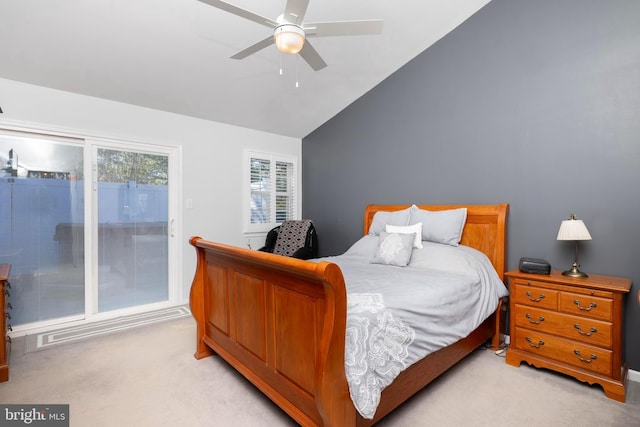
290, 33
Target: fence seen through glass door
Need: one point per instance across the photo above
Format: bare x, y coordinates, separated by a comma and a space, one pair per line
133, 246
41, 227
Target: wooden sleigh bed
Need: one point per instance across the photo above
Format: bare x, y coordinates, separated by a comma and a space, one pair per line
281, 322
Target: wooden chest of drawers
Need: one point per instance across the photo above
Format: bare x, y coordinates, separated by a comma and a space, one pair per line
570, 325
4, 325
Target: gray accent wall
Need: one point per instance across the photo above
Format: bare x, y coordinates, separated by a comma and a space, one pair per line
534, 103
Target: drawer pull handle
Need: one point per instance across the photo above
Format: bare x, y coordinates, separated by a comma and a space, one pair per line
588, 333
8, 316
540, 343
592, 305
535, 322
534, 299
582, 359
9, 306
9, 327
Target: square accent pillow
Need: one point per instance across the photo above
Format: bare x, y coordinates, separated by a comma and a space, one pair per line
382, 218
409, 229
394, 249
440, 226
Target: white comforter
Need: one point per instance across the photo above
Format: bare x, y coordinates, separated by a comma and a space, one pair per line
398, 315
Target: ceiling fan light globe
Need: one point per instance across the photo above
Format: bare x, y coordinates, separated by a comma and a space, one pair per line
289, 38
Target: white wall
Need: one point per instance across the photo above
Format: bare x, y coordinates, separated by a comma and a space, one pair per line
212, 153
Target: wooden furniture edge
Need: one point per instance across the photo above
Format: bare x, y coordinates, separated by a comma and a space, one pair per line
5, 271
614, 389
595, 281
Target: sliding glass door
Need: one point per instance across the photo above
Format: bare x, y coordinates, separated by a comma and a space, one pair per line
86, 227
133, 217
41, 226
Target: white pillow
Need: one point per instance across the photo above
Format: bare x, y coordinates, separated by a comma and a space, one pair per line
409, 229
440, 226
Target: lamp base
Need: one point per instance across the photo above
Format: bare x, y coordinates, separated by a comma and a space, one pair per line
574, 272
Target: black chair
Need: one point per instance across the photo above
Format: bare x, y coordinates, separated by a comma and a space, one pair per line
295, 238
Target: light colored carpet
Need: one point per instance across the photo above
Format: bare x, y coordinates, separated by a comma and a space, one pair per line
148, 377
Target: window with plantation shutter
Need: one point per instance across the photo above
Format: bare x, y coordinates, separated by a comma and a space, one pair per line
270, 191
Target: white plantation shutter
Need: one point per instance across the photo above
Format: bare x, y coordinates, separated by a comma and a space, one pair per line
285, 186
260, 189
271, 191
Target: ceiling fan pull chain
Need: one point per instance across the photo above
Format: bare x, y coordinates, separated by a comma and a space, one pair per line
297, 84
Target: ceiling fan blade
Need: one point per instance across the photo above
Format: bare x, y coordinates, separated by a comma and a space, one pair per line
343, 28
295, 10
254, 48
312, 57
243, 13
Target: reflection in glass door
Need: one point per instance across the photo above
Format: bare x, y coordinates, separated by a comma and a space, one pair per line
42, 227
133, 244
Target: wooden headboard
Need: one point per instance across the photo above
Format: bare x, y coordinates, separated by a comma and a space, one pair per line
485, 229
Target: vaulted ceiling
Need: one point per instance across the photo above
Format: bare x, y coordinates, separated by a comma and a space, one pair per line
174, 55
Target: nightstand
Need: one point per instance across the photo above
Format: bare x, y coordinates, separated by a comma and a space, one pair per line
4, 325
570, 325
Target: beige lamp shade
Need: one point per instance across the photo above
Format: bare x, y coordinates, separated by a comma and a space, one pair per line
573, 229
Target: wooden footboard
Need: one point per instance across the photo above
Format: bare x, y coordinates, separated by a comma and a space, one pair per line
280, 322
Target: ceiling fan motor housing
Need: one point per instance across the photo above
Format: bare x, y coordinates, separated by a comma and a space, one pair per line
289, 38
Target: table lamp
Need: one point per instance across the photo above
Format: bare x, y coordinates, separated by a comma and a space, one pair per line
574, 229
